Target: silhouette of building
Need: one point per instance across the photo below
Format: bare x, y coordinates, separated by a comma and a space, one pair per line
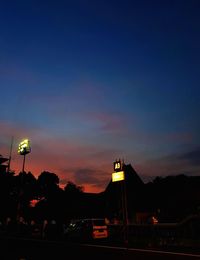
3, 167
134, 192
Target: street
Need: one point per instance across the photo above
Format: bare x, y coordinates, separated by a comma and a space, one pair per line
18, 249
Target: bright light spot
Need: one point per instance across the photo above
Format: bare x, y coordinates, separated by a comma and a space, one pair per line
118, 176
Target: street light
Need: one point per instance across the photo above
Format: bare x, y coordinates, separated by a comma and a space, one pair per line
23, 149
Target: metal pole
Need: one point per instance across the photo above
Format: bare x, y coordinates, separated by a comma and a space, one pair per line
122, 200
125, 213
23, 163
21, 176
11, 146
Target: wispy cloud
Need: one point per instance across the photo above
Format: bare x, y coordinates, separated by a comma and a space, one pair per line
109, 122
179, 163
97, 179
191, 158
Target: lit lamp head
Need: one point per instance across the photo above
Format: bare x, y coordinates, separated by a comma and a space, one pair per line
24, 147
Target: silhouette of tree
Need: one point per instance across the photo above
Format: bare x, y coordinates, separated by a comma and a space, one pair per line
175, 196
47, 184
27, 186
51, 196
72, 200
7, 195
72, 188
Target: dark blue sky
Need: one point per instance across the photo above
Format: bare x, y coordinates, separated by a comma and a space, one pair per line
91, 81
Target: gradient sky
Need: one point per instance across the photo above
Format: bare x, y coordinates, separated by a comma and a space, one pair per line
95, 80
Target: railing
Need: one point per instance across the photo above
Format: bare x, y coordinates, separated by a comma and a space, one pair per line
185, 233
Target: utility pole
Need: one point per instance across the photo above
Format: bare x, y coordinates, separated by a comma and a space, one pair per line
125, 211
10, 154
119, 176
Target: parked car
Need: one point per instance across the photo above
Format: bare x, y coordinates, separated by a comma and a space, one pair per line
87, 229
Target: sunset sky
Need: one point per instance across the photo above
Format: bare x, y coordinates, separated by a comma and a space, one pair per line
91, 81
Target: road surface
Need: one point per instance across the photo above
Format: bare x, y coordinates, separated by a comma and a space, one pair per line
26, 249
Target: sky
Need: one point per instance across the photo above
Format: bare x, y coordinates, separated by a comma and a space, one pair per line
92, 81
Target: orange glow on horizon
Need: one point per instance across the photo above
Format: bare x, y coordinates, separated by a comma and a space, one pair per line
36, 169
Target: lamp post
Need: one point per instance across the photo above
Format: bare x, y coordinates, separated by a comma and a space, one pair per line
9, 162
23, 149
117, 176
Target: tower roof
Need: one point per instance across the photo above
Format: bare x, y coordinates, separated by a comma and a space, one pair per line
132, 179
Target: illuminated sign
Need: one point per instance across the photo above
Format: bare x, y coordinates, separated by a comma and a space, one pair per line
117, 166
24, 147
118, 176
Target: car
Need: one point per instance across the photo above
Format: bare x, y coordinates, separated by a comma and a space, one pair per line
87, 229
